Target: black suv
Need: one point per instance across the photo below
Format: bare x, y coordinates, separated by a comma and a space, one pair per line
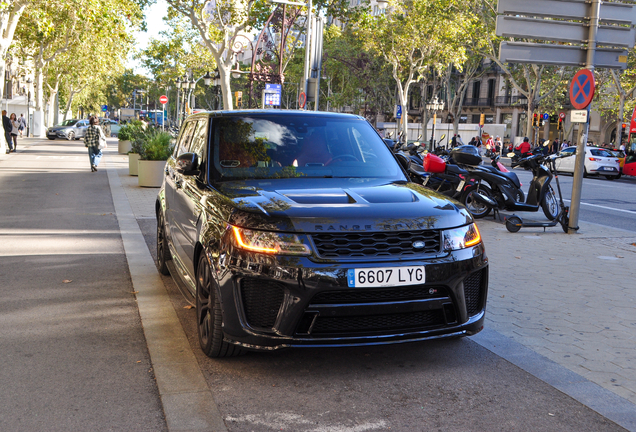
300, 228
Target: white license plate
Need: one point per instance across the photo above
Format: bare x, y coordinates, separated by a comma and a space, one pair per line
460, 185
386, 276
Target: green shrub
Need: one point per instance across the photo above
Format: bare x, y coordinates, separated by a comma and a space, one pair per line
154, 145
130, 130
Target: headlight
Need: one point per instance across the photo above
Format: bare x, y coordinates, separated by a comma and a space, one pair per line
270, 242
461, 238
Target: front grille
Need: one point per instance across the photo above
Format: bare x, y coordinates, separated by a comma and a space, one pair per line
369, 295
377, 323
473, 292
261, 301
379, 244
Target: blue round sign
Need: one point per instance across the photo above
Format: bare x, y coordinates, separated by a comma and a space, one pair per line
546, 116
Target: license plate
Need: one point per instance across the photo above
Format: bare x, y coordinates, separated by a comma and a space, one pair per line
425, 181
386, 276
608, 168
51, 133
461, 185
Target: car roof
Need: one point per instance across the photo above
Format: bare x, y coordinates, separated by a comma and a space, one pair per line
273, 112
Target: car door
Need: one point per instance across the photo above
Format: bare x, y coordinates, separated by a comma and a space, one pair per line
80, 128
566, 164
187, 198
173, 183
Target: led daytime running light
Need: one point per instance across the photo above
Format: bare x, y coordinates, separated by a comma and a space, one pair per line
243, 245
477, 236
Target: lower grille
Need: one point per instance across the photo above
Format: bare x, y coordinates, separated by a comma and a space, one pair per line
377, 323
261, 301
370, 295
473, 292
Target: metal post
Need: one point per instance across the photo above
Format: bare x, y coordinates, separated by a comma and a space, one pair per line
579, 168
307, 47
28, 112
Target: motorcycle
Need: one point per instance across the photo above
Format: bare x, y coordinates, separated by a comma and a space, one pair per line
502, 191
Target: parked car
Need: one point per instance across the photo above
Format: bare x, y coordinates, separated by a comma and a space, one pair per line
114, 126
299, 228
620, 155
630, 165
598, 161
68, 129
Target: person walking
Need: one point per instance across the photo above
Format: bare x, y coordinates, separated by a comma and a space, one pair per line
14, 130
22, 123
91, 141
7, 126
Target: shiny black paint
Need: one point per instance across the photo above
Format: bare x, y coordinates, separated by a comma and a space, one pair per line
198, 212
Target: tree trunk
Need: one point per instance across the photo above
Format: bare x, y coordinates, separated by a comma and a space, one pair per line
619, 123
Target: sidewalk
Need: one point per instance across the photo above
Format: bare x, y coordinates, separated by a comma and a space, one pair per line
568, 298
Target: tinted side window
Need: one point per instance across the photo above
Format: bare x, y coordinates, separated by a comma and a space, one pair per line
185, 138
199, 138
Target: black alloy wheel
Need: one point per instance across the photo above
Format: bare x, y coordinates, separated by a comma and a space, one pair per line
475, 207
550, 204
163, 253
209, 315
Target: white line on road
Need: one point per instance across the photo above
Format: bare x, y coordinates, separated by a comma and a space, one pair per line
605, 207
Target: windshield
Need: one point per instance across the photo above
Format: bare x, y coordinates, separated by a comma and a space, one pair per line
68, 122
262, 146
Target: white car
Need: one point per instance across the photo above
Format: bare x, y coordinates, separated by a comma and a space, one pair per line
598, 161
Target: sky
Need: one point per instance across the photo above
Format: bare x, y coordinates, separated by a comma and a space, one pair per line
155, 24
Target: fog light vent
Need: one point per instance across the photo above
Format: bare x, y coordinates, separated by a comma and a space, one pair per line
261, 301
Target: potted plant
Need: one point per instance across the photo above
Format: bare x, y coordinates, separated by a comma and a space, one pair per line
126, 135
154, 151
134, 154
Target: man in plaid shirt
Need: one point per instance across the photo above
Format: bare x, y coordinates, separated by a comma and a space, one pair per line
91, 140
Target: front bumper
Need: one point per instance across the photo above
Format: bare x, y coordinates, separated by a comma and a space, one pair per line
278, 302
57, 134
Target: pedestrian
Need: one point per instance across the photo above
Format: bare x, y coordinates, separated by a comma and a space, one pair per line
622, 148
7, 126
459, 140
22, 123
91, 141
14, 130
454, 141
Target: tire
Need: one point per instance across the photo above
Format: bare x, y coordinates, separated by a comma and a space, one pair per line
550, 204
71, 136
477, 209
585, 174
513, 224
51, 138
209, 315
163, 252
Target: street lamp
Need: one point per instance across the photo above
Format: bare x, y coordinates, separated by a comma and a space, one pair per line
434, 106
28, 104
178, 83
207, 78
216, 84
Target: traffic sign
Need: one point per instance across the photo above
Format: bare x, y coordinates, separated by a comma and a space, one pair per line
272, 94
398, 111
562, 115
302, 99
104, 108
582, 89
579, 116
560, 55
163, 99
546, 116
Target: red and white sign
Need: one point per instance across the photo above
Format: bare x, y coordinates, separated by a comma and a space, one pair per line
562, 115
163, 99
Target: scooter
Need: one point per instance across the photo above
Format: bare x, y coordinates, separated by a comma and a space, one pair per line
514, 223
503, 190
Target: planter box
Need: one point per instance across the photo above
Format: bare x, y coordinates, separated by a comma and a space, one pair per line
124, 147
150, 173
133, 169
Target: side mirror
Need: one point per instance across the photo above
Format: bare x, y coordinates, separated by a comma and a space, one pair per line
188, 164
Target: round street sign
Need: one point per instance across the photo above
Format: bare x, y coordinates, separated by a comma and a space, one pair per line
582, 89
546, 116
562, 115
163, 99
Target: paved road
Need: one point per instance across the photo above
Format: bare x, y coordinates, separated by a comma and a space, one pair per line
444, 385
72, 349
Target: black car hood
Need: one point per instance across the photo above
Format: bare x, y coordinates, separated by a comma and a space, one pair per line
315, 205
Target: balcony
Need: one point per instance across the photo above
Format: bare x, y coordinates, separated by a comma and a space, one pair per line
478, 102
510, 100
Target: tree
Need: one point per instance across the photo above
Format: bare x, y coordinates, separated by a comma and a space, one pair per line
10, 13
415, 37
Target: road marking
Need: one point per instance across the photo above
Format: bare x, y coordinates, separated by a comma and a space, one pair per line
605, 207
